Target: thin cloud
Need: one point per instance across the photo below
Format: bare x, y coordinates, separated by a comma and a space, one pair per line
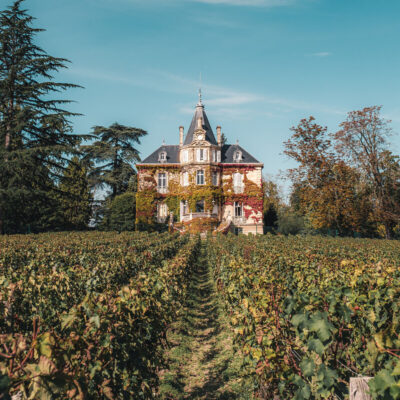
322, 54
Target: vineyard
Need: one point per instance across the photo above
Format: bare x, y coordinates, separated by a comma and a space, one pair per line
140, 316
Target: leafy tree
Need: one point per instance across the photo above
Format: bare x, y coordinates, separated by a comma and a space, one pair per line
35, 132
363, 142
272, 203
75, 196
328, 191
122, 212
113, 154
290, 222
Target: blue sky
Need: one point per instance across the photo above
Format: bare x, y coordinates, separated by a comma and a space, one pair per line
265, 64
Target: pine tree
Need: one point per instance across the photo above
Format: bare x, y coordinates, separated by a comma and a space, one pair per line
113, 154
75, 196
35, 132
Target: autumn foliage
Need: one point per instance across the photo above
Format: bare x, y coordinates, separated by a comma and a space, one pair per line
347, 181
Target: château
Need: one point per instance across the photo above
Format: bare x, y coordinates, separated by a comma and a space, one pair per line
201, 182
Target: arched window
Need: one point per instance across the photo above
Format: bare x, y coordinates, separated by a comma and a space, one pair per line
162, 156
200, 177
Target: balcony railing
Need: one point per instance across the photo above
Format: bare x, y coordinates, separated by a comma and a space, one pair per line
191, 216
239, 220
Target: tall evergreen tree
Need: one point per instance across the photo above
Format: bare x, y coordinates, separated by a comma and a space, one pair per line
75, 196
35, 132
113, 153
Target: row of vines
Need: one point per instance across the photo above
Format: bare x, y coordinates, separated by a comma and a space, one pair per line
310, 313
84, 315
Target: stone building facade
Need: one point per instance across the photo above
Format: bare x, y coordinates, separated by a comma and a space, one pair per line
202, 184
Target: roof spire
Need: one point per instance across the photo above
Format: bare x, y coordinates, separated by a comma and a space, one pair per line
200, 103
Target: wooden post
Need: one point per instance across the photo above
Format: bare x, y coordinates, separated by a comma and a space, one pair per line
359, 389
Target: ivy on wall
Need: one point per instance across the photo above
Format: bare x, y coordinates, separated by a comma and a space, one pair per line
148, 196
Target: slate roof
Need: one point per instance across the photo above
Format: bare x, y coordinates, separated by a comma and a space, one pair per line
172, 155
199, 112
227, 155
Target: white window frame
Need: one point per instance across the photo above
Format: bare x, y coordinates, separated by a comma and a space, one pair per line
162, 156
238, 186
185, 179
201, 155
215, 178
185, 156
214, 156
200, 178
238, 209
162, 211
218, 156
162, 178
237, 156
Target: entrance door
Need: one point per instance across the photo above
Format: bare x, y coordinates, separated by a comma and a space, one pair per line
200, 206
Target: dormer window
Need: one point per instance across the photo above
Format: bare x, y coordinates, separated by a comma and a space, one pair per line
237, 156
162, 156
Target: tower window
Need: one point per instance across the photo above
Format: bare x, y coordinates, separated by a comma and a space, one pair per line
201, 154
200, 177
214, 156
218, 156
185, 156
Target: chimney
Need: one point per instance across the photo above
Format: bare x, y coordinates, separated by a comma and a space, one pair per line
181, 136
219, 138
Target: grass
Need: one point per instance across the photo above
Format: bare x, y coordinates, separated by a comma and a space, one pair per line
202, 361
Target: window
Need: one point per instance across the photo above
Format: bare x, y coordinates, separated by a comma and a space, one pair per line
185, 156
200, 177
214, 156
201, 154
200, 206
162, 212
218, 156
162, 180
162, 156
215, 178
238, 182
237, 155
185, 179
238, 209
185, 207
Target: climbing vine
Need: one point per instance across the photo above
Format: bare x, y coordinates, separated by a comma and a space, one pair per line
148, 197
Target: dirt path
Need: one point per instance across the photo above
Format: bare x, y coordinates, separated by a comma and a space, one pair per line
202, 361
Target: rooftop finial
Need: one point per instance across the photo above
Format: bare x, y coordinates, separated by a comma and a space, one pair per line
200, 98
200, 103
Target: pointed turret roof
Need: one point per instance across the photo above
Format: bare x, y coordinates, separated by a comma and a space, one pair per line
200, 113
